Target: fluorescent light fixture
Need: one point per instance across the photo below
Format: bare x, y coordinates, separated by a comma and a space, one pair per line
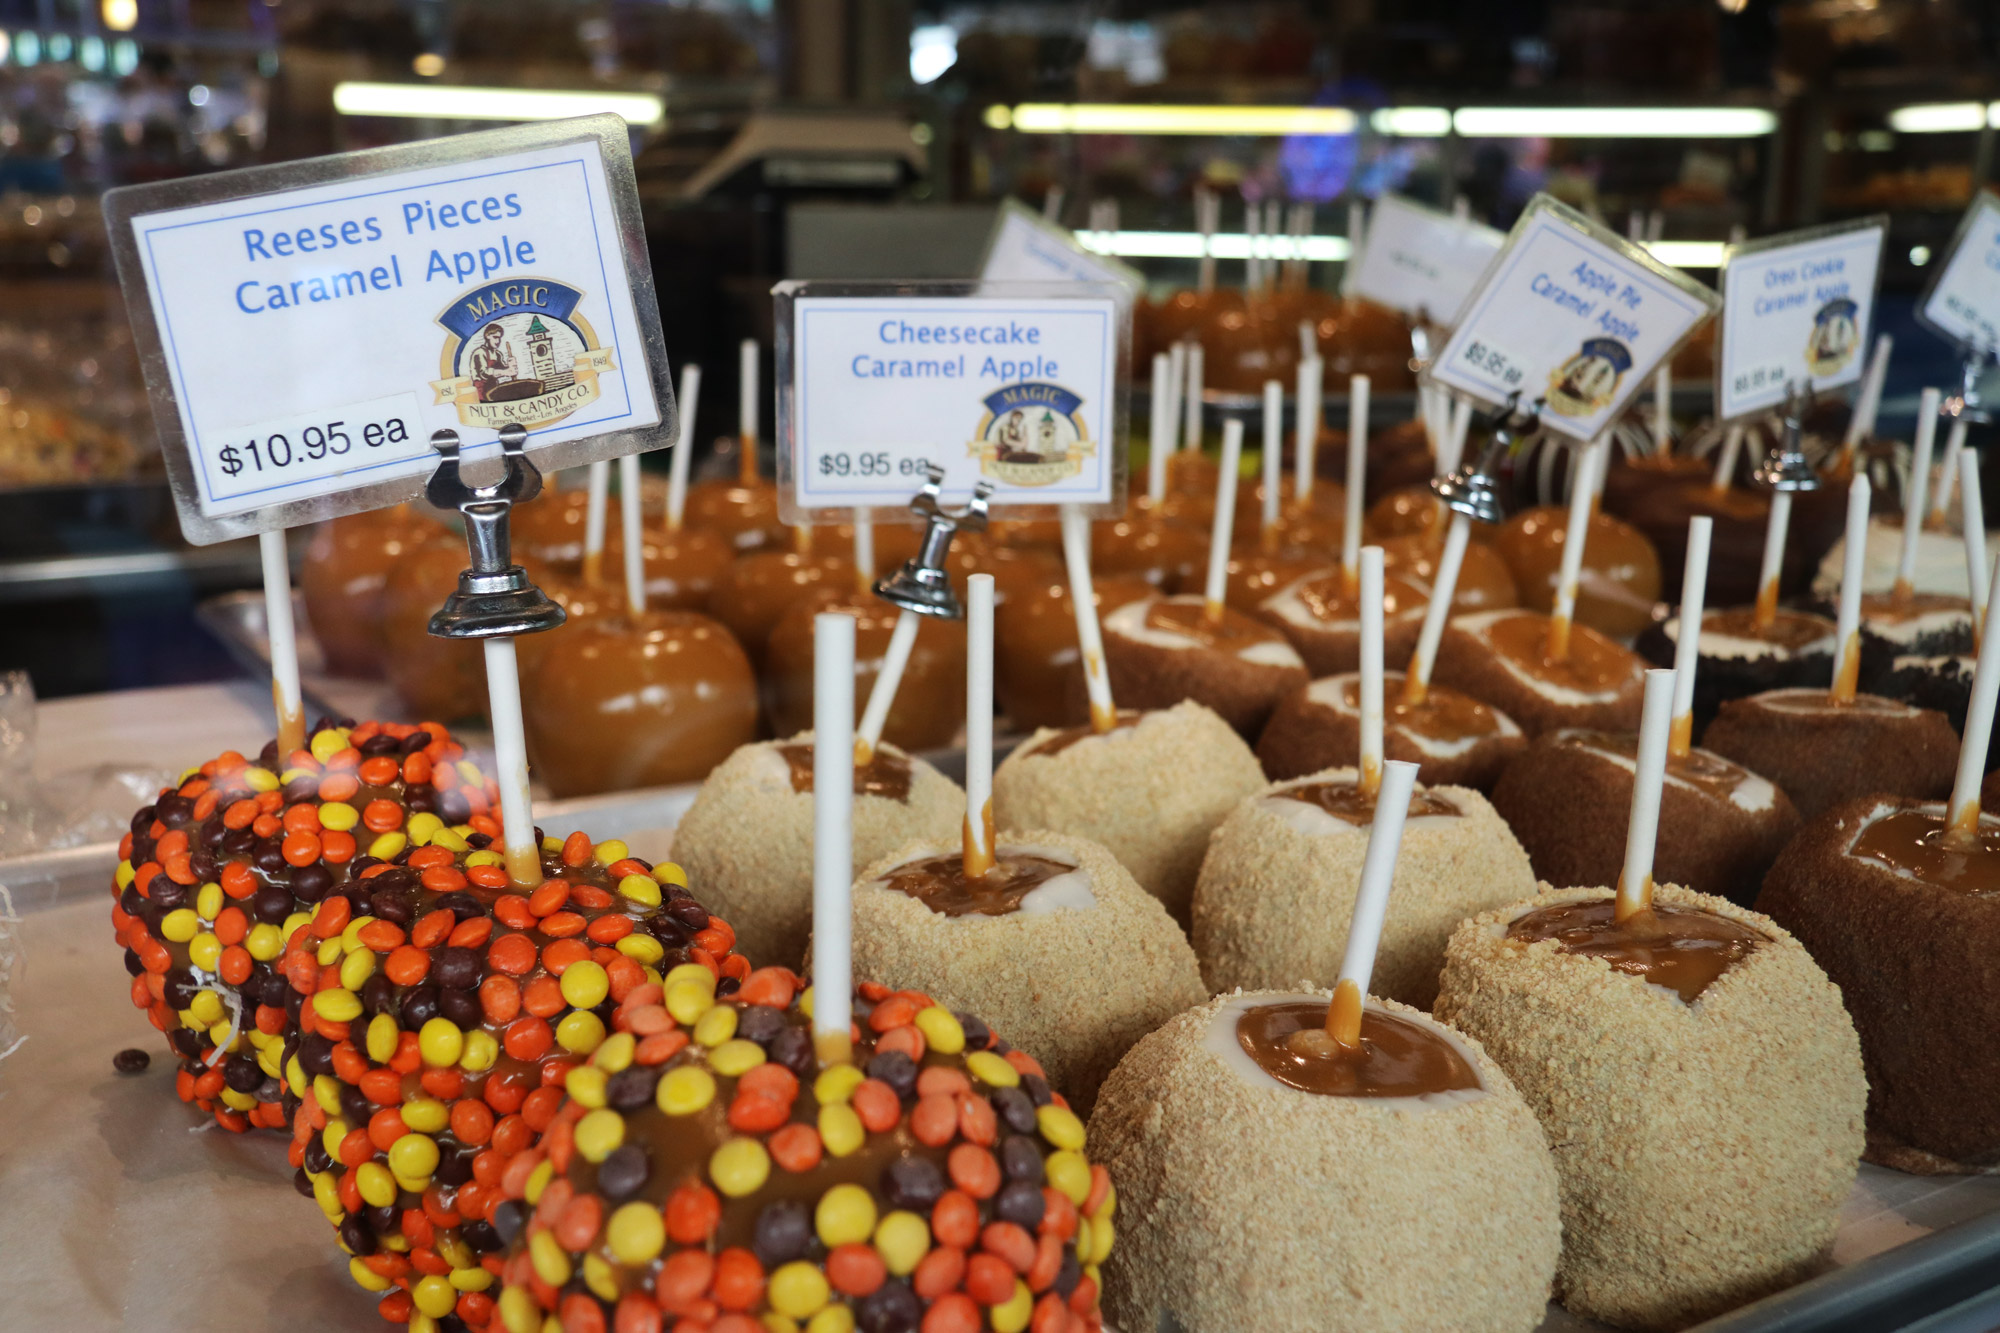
444, 102
1614, 122
933, 50
1943, 117
1411, 122
1688, 254
1107, 118
1224, 245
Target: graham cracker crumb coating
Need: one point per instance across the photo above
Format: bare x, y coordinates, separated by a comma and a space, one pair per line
1150, 794
1258, 1207
1273, 904
747, 841
1704, 1150
1075, 989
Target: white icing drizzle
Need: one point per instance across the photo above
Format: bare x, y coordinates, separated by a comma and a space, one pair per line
1220, 1041
1129, 621
1908, 629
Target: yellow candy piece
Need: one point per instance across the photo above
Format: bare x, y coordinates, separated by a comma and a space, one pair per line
798, 1290
600, 1277
450, 840
1012, 1315
641, 889
836, 1318
295, 1078
585, 984
377, 1185
685, 1090
382, 1038
538, 1180
329, 952
687, 1001
636, 1234
739, 1167
1101, 1236
356, 968
1069, 1173
260, 779
549, 1259
941, 1029
388, 846
440, 1043
338, 816
669, 872
518, 1311
836, 1083
641, 949
471, 1279
611, 851
482, 1048
733, 1059
845, 1216
337, 1006
902, 1239
840, 1129
414, 1156
422, 828
209, 900
426, 1115
992, 1070
694, 972
585, 1086
581, 1032
328, 742
327, 1195
1060, 1126
180, 925
124, 875
326, 1091
367, 1278
205, 951
485, 857
237, 1101
615, 1054
716, 1026
207, 1008
264, 942
599, 1133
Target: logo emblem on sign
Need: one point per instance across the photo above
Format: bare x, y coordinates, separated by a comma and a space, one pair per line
1031, 435
1587, 382
1830, 345
519, 352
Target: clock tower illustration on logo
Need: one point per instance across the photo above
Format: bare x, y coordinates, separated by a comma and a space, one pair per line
541, 351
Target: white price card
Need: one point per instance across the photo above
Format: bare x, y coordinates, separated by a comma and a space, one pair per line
1963, 300
1023, 391
1573, 318
1420, 261
306, 327
1026, 247
1795, 312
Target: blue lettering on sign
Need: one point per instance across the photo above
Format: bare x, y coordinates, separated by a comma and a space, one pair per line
470, 312
867, 367
254, 298
899, 332
1002, 369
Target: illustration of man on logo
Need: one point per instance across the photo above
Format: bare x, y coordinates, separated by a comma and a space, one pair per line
1586, 383
519, 352
1032, 435
1830, 345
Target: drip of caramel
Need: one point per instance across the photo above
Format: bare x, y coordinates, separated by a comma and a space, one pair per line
941, 884
1231, 632
1698, 768
1790, 630
1683, 949
1347, 800
1917, 843
1593, 664
1396, 1057
1068, 736
886, 775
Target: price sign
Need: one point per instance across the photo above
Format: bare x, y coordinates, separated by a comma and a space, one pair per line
1963, 300
1572, 316
1420, 261
1021, 390
1026, 247
1795, 311
306, 327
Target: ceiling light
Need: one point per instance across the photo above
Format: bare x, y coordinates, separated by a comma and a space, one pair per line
1411, 122
1614, 122
1940, 117
1688, 254
1223, 245
1105, 118
437, 102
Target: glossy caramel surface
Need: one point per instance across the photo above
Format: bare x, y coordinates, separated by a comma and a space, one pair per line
1397, 1057
1680, 948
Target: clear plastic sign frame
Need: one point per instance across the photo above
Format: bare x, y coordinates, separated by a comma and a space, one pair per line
1961, 303
1024, 246
1797, 309
305, 327
1021, 385
1420, 261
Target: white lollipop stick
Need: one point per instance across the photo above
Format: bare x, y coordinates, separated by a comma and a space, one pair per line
895, 660
1582, 497
286, 694
1725, 458
1972, 517
510, 766
1687, 640
979, 726
1461, 422
1919, 492
1192, 438
1417, 681
1371, 903
1273, 459
1649, 775
1308, 340
1160, 442
1954, 446
1963, 813
1305, 443
632, 528
1775, 529
864, 551
1357, 238
1867, 400
1357, 475
1663, 407
833, 836
1177, 367
1371, 669
746, 409
595, 505
1207, 213
687, 401
1215, 590
1853, 567
1089, 636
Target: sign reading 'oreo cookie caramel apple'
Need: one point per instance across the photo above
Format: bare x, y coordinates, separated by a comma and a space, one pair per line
307, 327
1795, 312
1572, 317
1013, 385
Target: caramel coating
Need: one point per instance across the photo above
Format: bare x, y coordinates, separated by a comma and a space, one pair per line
344, 581
435, 678
1619, 581
1036, 665
929, 707
754, 593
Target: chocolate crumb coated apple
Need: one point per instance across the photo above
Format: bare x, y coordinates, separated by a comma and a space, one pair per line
1822, 753
1739, 658
1406, 1189
447, 1011
707, 1171
1293, 854
747, 839
1906, 921
1707, 1145
1896, 625
1501, 659
1568, 796
1150, 791
1456, 740
1162, 650
1019, 968
1318, 615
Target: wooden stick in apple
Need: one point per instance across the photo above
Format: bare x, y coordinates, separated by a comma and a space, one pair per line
688, 399
595, 505
1273, 461
1357, 479
1371, 670
1962, 815
1160, 442
1371, 904
746, 410
1089, 635
1582, 500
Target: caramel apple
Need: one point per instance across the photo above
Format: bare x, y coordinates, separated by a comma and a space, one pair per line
1256, 575
1483, 581
1502, 658
1016, 571
1738, 657
1620, 579
550, 529
1823, 753
1399, 457
442, 679
681, 568
742, 512
1318, 615
1144, 543
756, 590
1038, 673
344, 580
929, 707
1041, 533
1454, 739
1192, 472
645, 700
1363, 338
1161, 650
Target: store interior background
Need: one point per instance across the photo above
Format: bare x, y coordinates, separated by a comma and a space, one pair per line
874, 138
